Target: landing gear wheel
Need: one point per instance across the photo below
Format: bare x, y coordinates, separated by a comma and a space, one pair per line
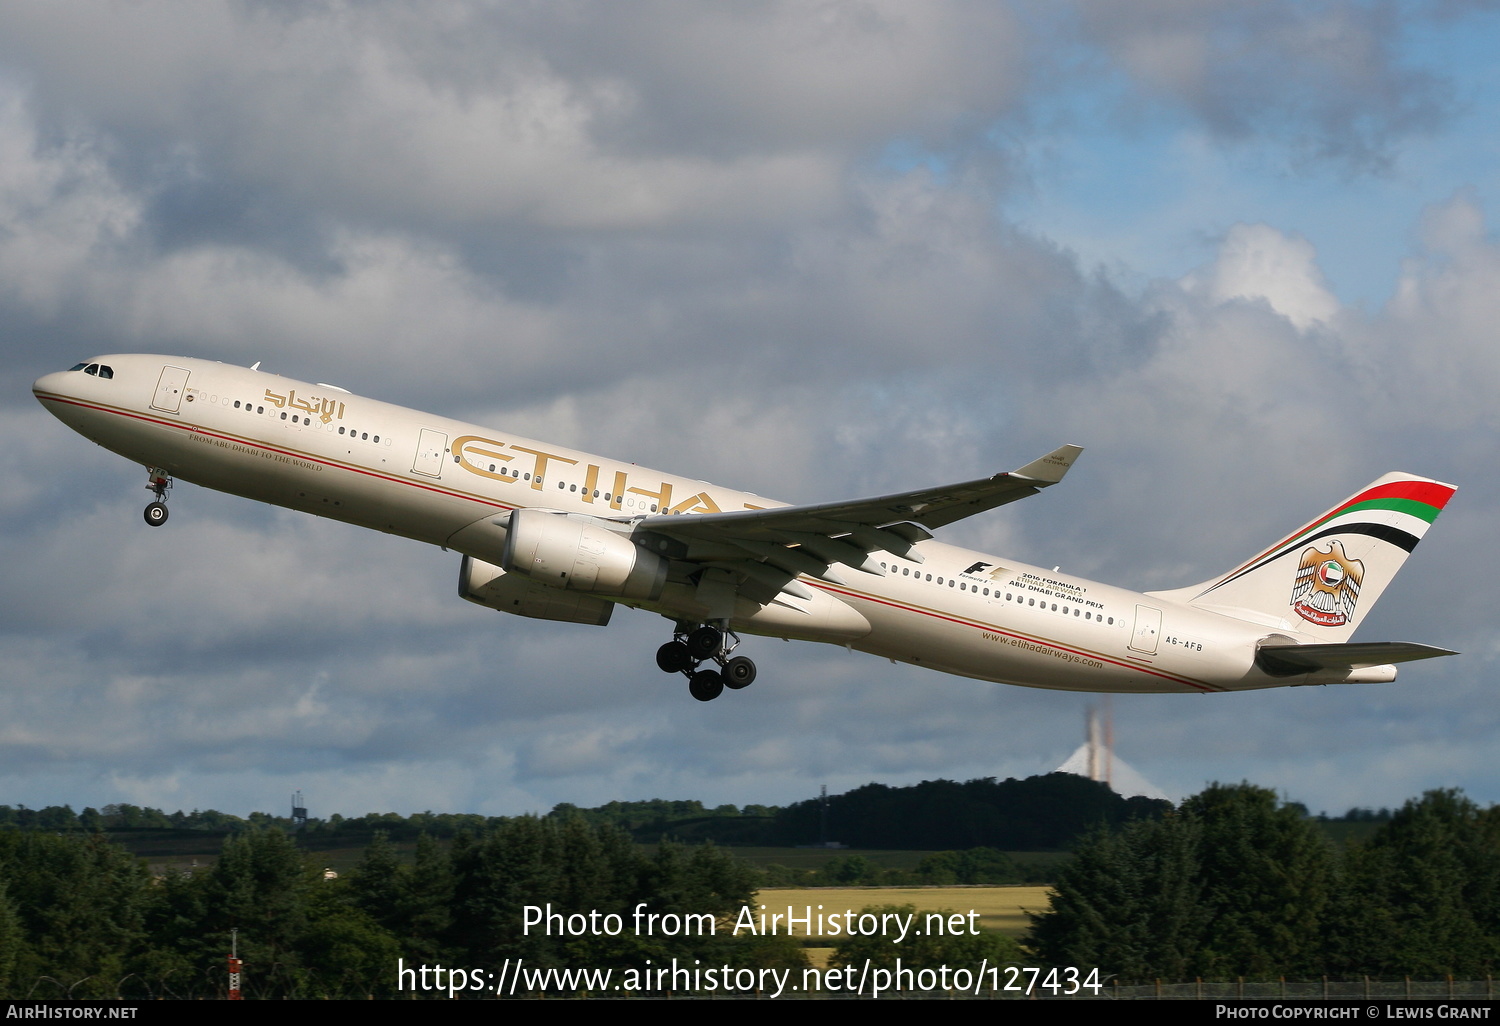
705, 642
739, 672
706, 685
673, 657
158, 483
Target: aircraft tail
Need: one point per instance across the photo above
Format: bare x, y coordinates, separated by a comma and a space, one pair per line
1322, 578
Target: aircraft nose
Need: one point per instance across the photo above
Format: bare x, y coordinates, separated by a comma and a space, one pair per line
55, 383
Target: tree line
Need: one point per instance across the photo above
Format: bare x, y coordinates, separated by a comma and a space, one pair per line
1234, 883
81, 917
1231, 883
1038, 813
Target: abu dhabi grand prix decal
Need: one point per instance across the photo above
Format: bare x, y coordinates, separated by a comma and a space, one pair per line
1327, 585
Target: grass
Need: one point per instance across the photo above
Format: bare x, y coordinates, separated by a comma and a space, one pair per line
1002, 909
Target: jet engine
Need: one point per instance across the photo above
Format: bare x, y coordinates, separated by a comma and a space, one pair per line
487, 585
575, 554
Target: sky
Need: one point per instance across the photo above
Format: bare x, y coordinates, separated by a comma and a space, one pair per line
1243, 254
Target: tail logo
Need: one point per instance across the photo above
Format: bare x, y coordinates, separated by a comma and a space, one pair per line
1327, 585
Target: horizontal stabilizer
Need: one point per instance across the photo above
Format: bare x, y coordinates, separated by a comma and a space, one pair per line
1290, 660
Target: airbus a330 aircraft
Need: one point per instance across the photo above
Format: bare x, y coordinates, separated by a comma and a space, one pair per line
556, 534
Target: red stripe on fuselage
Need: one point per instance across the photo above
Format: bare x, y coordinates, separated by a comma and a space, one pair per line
298, 454
995, 629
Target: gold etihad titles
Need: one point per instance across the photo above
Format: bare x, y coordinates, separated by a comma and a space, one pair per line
466, 449
325, 410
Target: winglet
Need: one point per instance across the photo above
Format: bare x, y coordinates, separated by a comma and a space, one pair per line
1050, 468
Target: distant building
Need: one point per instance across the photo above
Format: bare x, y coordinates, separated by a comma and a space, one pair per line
1096, 760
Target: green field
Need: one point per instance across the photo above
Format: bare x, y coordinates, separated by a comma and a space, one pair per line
1000, 908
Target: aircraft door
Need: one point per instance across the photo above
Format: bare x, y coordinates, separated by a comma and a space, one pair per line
431, 448
169, 388
1147, 630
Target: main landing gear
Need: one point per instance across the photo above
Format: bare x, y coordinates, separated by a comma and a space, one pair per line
159, 483
693, 644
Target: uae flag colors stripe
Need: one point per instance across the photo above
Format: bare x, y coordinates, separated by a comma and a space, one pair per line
1398, 511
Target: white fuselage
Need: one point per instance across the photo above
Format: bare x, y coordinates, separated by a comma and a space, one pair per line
322, 450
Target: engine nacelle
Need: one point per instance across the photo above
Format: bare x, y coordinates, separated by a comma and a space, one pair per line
568, 552
487, 585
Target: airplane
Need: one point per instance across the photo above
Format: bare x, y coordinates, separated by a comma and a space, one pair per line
552, 533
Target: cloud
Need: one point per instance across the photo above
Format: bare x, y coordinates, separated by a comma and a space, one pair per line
468, 116
1325, 77
1258, 262
1440, 320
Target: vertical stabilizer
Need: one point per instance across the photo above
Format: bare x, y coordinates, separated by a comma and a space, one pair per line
1324, 577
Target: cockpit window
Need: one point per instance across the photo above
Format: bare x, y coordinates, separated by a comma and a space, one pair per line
77, 366
106, 371
92, 368
100, 370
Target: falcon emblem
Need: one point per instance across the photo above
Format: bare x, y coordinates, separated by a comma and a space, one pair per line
1327, 586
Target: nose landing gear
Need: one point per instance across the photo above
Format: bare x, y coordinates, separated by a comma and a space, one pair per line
159, 483
693, 644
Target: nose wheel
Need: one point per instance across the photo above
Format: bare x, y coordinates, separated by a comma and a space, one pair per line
692, 645
158, 483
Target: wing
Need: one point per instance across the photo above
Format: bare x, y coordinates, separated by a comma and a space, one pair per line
760, 553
